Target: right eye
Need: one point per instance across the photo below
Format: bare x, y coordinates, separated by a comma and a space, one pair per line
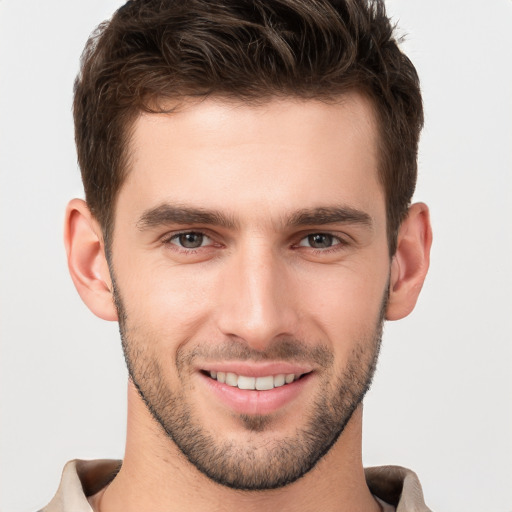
190, 240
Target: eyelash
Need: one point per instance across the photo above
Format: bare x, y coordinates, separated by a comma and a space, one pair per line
340, 244
168, 241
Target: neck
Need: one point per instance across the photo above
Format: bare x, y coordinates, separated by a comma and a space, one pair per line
159, 477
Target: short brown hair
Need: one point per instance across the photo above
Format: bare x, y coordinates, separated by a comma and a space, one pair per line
250, 50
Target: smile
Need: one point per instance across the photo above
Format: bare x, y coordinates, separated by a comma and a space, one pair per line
245, 382
264, 388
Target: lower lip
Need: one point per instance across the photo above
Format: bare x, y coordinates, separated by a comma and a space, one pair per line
243, 401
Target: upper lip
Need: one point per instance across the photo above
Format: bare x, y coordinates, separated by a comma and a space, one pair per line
257, 369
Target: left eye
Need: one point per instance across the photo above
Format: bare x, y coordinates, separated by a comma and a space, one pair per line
319, 241
190, 240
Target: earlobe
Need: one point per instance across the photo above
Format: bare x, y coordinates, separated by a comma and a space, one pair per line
86, 260
410, 263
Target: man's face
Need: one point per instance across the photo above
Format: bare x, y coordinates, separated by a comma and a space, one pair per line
250, 251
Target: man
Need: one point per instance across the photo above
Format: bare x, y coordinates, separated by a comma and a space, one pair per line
248, 170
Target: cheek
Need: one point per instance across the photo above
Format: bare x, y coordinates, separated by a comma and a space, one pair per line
168, 304
344, 304
165, 302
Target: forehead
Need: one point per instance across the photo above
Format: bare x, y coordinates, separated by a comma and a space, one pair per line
283, 153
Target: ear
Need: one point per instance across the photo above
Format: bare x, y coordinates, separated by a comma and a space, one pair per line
410, 263
86, 260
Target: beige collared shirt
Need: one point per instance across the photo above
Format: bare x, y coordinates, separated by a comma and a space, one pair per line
396, 488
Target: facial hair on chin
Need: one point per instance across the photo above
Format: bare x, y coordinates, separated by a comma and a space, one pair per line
252, 465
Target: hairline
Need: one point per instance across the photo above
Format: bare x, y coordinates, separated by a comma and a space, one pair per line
168, 105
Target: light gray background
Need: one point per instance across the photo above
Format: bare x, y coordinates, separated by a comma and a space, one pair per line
441, 401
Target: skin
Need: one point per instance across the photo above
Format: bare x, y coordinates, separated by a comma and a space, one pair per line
254, 282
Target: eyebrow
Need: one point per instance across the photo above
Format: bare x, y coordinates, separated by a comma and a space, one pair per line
329, 215
177, 214
185, 215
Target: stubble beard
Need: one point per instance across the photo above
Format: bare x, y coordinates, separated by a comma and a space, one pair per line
254, 465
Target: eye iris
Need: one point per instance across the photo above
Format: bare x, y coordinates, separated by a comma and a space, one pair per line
191, 240
320, 241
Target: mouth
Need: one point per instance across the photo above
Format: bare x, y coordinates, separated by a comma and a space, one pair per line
256, 390
250, 383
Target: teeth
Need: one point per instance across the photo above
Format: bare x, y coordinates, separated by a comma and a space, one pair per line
279, 380
254, 383
246, 382
231, 379
262, 383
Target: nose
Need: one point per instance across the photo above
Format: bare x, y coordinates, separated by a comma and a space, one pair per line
256, 302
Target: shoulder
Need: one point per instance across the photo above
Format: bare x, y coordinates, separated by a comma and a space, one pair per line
80, 479
397, 486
